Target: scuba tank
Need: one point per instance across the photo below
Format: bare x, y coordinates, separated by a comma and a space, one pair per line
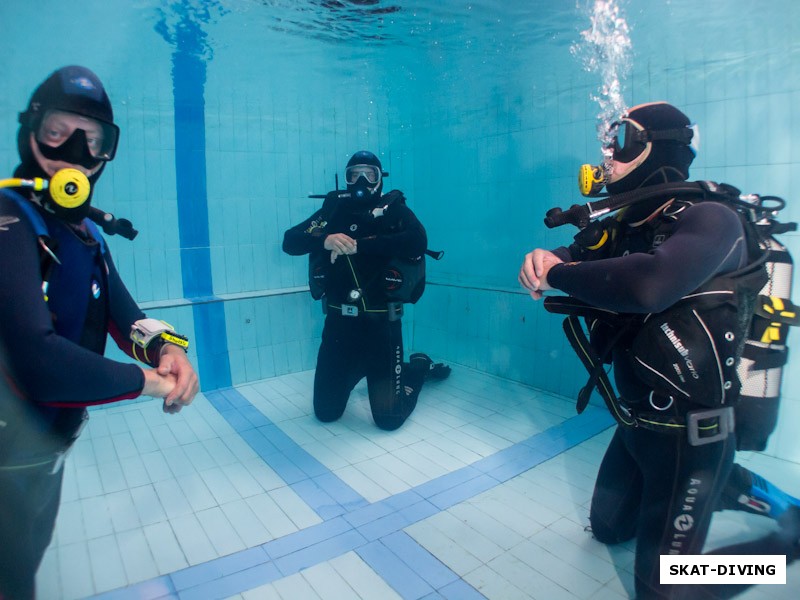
765, 352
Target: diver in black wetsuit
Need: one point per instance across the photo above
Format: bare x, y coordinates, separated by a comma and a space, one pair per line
60, 298
662, 477
352, 238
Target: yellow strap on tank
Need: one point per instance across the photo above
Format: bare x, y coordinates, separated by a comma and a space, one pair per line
602, 241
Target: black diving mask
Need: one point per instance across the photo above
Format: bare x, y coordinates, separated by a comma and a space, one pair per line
635, 138
73, 138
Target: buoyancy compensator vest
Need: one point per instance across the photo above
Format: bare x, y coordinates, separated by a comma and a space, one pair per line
402, 279
735, 324
47, 256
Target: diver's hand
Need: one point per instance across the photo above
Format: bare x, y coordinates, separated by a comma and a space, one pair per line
157, 385
534, 270
174, 362
340, 243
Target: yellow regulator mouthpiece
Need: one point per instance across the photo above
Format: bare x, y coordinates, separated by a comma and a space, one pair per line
591, 180
69, 188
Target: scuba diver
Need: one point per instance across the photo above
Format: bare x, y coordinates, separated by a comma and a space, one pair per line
361, 245
60, 297
667, 289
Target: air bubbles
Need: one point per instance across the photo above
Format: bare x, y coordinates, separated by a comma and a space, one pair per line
605, 48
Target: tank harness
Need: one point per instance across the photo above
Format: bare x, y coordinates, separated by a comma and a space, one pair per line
735, 326
402, 281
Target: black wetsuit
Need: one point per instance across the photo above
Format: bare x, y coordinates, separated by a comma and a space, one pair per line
368, 344
53, 368
653, 485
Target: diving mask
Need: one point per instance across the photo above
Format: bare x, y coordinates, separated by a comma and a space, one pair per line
76, 139
630, 145
634, 138
370, 172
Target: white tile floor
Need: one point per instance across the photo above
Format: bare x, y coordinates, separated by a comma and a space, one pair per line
483, 493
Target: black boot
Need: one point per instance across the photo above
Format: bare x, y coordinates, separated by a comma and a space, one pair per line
433, 371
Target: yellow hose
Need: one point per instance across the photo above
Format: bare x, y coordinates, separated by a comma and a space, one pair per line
37, 183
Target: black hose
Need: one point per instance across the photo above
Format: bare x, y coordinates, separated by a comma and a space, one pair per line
112, 225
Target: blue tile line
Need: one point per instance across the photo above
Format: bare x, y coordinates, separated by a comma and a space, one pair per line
322, 490
394, 571
188, 83
460, 590
429, 568
373, 530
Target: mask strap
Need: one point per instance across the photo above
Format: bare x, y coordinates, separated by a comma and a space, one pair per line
682, 134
